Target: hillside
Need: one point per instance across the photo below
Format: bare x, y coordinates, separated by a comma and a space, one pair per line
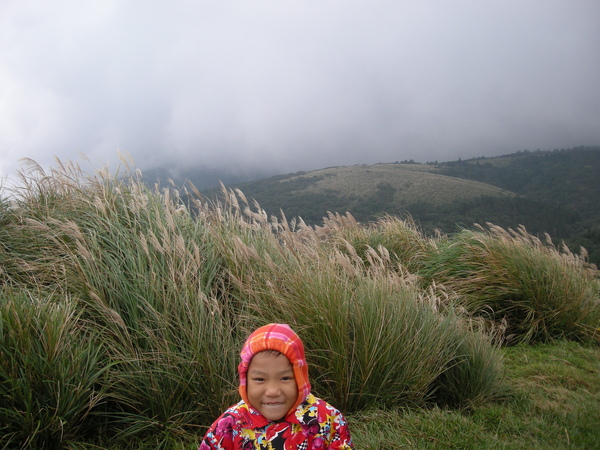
366, 191
547, 192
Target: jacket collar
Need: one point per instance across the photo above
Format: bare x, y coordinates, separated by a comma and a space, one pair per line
248, 417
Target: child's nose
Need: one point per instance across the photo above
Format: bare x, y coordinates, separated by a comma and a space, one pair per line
273, 390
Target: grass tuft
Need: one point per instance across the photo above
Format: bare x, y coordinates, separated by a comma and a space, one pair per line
539, 291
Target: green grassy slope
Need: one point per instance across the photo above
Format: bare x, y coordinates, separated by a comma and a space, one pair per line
552, 402
366, 191
408, 183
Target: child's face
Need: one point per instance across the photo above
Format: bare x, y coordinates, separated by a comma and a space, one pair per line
271, 387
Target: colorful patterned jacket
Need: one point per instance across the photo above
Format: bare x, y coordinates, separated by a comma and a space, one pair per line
314, 425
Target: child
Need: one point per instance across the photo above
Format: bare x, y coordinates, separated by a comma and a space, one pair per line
277, 410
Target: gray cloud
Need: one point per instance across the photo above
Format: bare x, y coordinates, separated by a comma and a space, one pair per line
295, 85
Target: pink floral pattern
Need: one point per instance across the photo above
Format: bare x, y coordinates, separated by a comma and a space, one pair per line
313, 425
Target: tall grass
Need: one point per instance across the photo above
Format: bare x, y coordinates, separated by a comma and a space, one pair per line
146, 279
365, 322
541, 292
405, 243
154, 290
53, 372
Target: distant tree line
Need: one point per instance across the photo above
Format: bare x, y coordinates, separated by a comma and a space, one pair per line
563, 183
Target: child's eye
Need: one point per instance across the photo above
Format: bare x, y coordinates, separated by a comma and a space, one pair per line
286, 378
258, 380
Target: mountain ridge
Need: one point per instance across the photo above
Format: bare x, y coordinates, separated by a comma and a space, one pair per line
555, 192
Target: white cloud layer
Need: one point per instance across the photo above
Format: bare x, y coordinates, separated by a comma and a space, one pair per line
295, 85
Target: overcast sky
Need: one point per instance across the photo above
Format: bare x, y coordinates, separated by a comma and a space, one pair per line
295, 85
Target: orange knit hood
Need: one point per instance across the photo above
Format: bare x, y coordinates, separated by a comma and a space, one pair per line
279, 337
